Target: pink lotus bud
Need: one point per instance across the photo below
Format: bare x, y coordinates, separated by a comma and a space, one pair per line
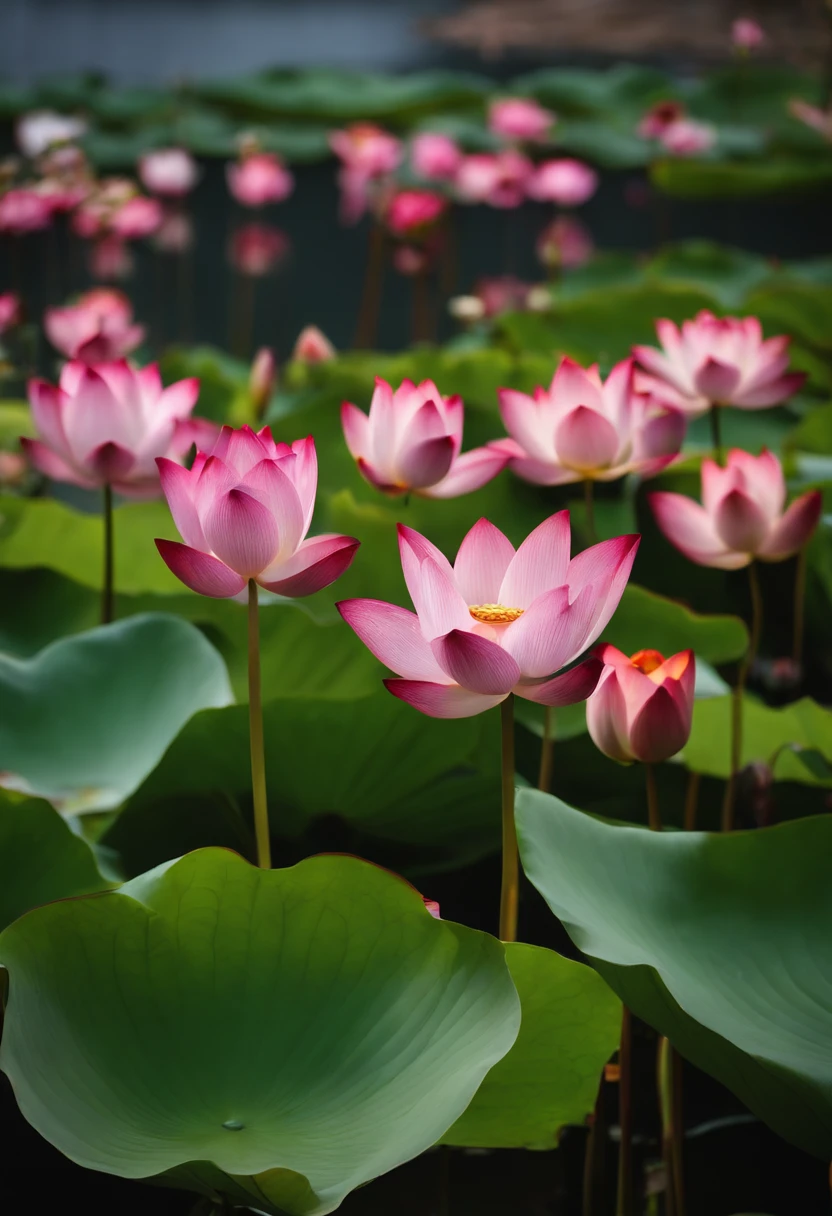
410, 212
258, 249
498, 179
23, 210
659, 117
566, 182
106, 425
432, 906
434, 156
258, 179
137, 218
9, 310
40, 130
262, 379
171, 172
110, 259
497, 621
97, 328
411, 443
520, 118
175, 234
243, 510
585, 429
746, 34
688, 137
565, 242
367, 149
716, 361
642, 708
312, 346
741, 516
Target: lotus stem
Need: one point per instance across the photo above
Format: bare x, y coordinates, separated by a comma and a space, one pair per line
255, 727
624, 1199
653, 815
799, 605
589, 504
669, 1074
728, 804
716, 434
107, 582
509, 888
593, 1181
547, 750
367, 327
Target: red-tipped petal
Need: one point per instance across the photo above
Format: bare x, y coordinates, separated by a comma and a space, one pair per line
660, 729
689, 527
393, 635
606, 718
740, 522
476, 663
177, 486
201, 572
356, 427
442, 700
539, 564
794, 528
772, 393
52, 465
469, 472
481, 563
111, 462
319, 561
424, 464
565, 689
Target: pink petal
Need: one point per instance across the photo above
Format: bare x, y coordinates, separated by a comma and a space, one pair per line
383, 425
605, 568
241, 531
177, 486
214, 480
52, 465
442, 608
426, 463
303, 472
573, 385
242, 449
689, 527
269, 484
476, 663
716, 380
111, 462
660, 729
481, 563
586, 440
771, 393
527, 422
606, 718
540, 472
672, 372
48, 404
426, 423
378, 479
356, 427
566, 689
177, 400
413, 550
442, 700
200, 571
763, 476
94, 415
550, 633
662, 434
539, 564
394, 636
469, 472
740, 523
794, 529
319, 561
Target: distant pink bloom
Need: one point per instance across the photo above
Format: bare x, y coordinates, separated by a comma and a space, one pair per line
502, 293
819, 120
411, 259
716, 361
24, 209
9, 310
105, 425
171, 172
259, 178
410, 212
116, 208
313, 346
110, 259
367, 149
746, 34
411, 442
432, 906
40, 130
497, 621
434, 156
137, 218
243, 510
97, 328
741, 516
584, 429
642, 707
258, 249
687, 137
65, 177
659, 117
262, 378
175, 234
520, 118
496, 178
565, 243
566, 181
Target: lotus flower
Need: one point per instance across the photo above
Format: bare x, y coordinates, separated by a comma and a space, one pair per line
259, 178
687, 137
659, 117
642, 707
565, 243
367, 154
40, 130
435, 157
110, 259
243, 511
747, 34
9, 310
313, 346
520, 118
566, 182
741, 516
411, 443
116, 208
584, 429
171, 172
258, 249
175, 234
410, 212
498, 179
716, 361
97, 328
262, 378
24, 210
497, 621
106, 425
138, 217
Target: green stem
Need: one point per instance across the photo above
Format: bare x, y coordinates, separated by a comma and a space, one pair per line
255, 726
589, 503
653, 815
624, 1200
716, 434
728, 803
107, 584
799, 605
547, 749
371, 294
509, 888
593, 1186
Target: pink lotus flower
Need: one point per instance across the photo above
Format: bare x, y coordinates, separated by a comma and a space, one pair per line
410, 212
747, 34
9, 310
24, 210
586, 430
313, 346
171, 172
411, 259
40, 130
243, 511
175, 234
502, 293
642, 708
411, 443
258, 249
716, 361
497, 621
567, 182
565, 242
110, 259
116, 208
687, 137
435, 157
741, 516
520, 118
137, 218
262, 378
367, 149
97, 328
106, 425
659, 117
259, 178
498, 179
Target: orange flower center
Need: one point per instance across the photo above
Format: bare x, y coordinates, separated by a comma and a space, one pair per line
647, 660
495, 614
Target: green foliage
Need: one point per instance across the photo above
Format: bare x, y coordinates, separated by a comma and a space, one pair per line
783, 738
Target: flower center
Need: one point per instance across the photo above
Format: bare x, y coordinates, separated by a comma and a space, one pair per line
494, 614
647, 660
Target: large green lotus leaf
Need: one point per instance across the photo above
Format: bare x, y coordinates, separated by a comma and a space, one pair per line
301, 1030
570, 1028
741, 178
778, 737
719, 941
802, 309
644, 620
83, 722
728, 273
41, 858
569, 90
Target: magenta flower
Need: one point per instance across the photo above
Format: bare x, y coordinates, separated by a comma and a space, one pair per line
520, 118
566, 181
313, 346
498, 179
171, 172
642, 707
24, 209
583, 429
259, 178
106, 425
741, 516
97, 328
747, 34
716, 361
410, 212
659, 117
497, 621
687, 137
565, 242
411, 441
243, 511
9, 310
258, 249
435, 157
175, 234
367, 154
110, 259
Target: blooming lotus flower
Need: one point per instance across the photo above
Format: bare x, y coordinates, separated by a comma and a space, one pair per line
24, 210
747, 34
105, 425
137, 218
434, 156
367, 154
410, 212
171, 172
741, 516
40, 130
642, 707
502, 293
520, 118
259, 178
110, 259
258, 249
497, 621
659, 117
565, 242
313, 346
243, 511
584, 429
566, 181
498, 179
716, 361
97, 328
411, 442
9, 310
116, 208
687, 137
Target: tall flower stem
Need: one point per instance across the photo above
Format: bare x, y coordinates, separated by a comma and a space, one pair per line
509, 889
799, 605
589, 504
368, 312
729, 800
653, 814
624, 1199
107, 582
255, 729
547, 749
716, 434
